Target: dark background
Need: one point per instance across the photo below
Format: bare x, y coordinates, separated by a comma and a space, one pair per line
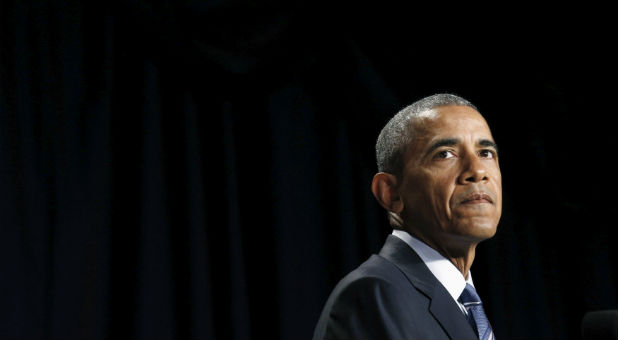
185, 169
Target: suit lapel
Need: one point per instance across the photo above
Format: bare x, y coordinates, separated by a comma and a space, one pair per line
448, 314
442, 306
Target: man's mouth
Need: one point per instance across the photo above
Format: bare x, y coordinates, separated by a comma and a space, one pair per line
477, 197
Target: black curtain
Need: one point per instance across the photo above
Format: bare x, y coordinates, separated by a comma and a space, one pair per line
201, 169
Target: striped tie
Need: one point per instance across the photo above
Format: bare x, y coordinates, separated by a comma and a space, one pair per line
476, 313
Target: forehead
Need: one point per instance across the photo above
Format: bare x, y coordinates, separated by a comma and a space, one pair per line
450, 121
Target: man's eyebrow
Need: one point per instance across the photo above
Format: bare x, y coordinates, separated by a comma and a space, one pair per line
454, 141
488, 143
442, 142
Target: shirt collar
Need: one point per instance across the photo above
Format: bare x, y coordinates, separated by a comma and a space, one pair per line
442, 268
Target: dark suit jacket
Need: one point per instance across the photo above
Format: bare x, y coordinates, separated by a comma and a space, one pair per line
392, 295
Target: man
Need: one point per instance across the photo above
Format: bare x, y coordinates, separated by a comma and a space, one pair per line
440, 183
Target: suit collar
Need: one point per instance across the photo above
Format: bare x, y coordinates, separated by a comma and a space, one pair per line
442, 268
442, 306
408, 261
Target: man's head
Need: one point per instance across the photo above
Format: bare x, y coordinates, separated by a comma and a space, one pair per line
439, 176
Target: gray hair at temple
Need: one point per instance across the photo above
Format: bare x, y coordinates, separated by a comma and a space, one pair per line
397, 135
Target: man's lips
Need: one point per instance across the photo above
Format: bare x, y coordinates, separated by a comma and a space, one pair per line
477, 197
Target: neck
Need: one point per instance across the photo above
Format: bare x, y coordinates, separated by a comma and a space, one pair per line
460, 252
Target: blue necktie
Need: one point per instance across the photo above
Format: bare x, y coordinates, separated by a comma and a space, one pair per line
476, 314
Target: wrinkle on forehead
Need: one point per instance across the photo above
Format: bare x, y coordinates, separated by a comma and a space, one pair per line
441, 122
427, 120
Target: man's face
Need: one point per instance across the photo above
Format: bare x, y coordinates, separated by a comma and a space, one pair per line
451, 183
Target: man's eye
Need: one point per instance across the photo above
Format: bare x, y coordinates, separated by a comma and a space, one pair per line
487, 153
445, 154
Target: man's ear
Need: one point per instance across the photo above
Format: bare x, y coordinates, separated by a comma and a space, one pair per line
384, 187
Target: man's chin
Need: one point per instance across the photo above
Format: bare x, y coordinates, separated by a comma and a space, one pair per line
478, 231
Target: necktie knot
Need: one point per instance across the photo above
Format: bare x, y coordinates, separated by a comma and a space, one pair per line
469, 296
476, 314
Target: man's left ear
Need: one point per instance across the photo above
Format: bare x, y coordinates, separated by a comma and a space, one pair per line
384, 188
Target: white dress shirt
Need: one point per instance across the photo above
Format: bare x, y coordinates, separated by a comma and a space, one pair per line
442, 268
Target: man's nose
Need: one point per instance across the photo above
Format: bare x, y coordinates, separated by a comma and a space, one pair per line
473, 171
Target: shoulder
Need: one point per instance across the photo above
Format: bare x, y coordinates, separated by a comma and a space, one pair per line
375, 300
375, 278
376, 271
